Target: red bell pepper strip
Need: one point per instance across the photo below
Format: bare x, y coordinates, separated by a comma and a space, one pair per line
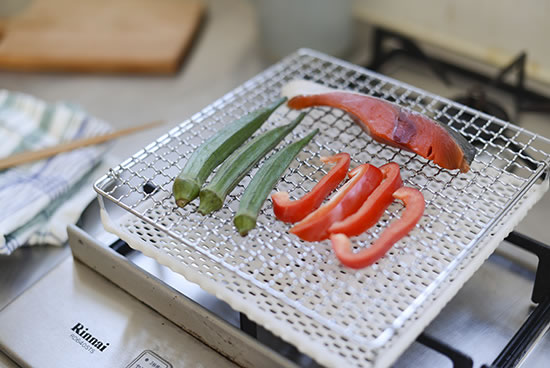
375, 205
414, 208
294, 211
364, 179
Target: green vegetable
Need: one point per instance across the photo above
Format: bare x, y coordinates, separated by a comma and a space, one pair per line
238, 164
257, 191
215, 150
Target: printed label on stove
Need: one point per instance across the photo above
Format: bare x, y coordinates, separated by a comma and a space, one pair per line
83, 337
148, 359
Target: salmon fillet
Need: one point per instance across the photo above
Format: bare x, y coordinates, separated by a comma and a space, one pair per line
388, 123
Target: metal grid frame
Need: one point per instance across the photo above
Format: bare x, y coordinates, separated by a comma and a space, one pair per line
300, 286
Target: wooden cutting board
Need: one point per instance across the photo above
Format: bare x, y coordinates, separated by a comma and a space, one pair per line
135, 36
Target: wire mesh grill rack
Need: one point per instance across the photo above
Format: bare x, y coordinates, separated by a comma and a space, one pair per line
298, 289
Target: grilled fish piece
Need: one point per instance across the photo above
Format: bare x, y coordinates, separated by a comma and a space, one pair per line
388, 123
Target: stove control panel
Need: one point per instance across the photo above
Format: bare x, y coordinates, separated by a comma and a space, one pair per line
74, 317
148, 359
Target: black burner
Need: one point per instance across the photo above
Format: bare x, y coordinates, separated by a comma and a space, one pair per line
477, 98
525, 99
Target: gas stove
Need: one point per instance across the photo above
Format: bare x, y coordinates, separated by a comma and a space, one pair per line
496, 327
478, 313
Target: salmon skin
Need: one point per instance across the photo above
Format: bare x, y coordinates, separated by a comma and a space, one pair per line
388, 123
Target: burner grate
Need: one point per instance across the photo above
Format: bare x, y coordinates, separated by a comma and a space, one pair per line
297, 289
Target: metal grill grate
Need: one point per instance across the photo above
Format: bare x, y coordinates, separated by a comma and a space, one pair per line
298, 289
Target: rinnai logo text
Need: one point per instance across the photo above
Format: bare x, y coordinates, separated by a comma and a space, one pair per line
86, 340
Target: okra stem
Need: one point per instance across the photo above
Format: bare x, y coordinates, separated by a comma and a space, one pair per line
263, 182
215, 150
231, 172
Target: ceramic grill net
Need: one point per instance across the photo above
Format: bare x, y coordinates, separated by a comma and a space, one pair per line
298, 289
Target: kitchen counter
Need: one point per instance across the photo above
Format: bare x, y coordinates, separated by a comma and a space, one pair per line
225, 53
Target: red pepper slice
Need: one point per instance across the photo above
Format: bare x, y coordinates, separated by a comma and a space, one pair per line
364, 179
414, 208
294, 211
375, 205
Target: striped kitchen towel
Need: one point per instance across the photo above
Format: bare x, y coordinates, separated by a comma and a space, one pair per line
38, 200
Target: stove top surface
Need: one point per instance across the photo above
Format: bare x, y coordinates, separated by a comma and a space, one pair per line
482, 317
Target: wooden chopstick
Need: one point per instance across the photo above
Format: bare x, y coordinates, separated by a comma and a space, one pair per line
25, 157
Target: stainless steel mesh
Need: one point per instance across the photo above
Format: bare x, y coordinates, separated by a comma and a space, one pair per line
298, 289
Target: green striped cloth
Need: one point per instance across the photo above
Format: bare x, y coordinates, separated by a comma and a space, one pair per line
38, 200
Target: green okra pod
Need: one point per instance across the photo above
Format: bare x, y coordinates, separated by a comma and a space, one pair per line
215, 150
235, 167
263, 182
